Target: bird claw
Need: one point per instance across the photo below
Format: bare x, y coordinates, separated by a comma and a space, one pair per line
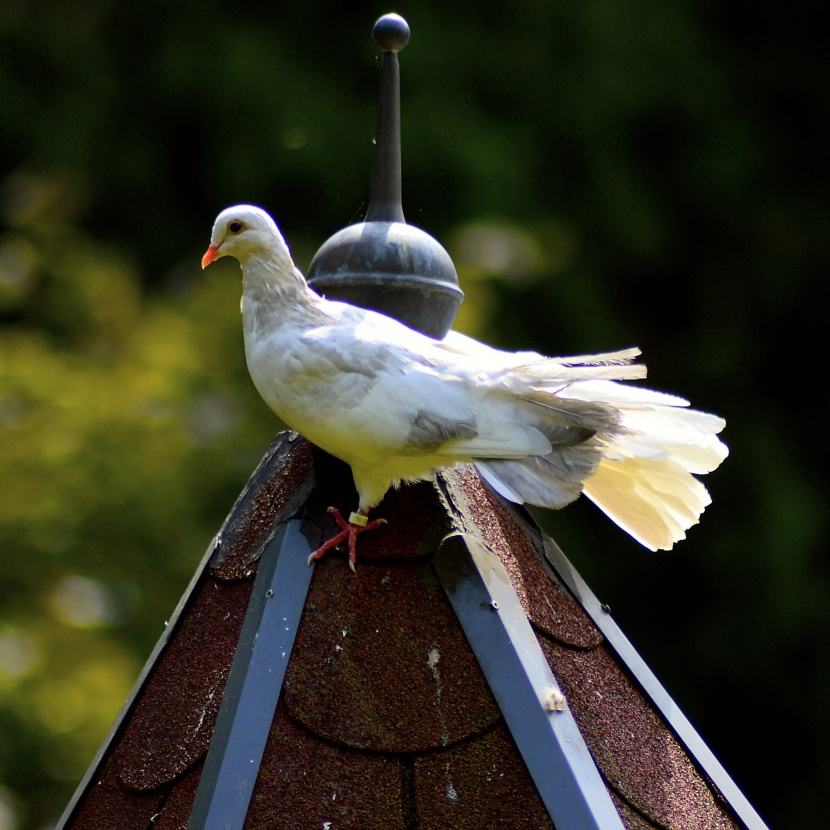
349, 530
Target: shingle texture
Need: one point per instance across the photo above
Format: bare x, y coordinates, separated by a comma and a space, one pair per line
385, 719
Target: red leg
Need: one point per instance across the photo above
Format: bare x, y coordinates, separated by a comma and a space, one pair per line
350, 530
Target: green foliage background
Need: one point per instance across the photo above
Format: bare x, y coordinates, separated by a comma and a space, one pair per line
605, 173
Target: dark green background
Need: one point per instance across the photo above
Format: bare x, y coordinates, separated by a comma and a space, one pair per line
662, 168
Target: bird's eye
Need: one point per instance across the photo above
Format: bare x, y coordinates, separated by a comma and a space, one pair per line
235, 227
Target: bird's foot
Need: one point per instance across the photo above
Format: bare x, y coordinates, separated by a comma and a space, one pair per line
358, 523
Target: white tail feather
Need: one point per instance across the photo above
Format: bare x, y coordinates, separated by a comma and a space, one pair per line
655, 501
645, 482
644, 479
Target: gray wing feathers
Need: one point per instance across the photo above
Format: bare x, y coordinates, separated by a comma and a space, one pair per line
430, 431
552, 480
576, 435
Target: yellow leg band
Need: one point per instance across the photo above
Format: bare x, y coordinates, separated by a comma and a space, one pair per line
358, 519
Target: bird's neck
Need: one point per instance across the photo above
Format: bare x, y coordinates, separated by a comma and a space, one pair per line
274, 294
270, 281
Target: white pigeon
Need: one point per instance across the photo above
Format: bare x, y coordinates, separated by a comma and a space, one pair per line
396, 405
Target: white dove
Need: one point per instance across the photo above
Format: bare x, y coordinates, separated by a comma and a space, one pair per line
396, 405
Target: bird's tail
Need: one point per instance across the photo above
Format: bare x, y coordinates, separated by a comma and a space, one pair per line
641, 473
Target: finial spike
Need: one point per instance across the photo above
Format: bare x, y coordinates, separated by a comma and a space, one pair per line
383, 263
391, 34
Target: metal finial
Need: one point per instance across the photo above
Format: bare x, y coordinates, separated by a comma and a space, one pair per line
383, 263
391, 34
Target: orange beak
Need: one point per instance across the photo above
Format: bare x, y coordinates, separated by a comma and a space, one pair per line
210, 254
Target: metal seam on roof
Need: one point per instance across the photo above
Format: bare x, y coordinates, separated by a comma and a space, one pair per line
653, 689
127, 709
255, 682
522, 682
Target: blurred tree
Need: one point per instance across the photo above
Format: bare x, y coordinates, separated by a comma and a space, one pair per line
604, 173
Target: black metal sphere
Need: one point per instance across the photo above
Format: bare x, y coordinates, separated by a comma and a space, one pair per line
391, 33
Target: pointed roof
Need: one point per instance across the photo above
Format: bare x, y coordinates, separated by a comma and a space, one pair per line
434, 689
466, 677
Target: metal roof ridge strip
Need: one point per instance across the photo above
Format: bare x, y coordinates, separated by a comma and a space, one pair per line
281, 444
120, 722
680, 725
256, 679
548, 739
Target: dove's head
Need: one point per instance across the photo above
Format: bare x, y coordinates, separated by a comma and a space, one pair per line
244, 231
